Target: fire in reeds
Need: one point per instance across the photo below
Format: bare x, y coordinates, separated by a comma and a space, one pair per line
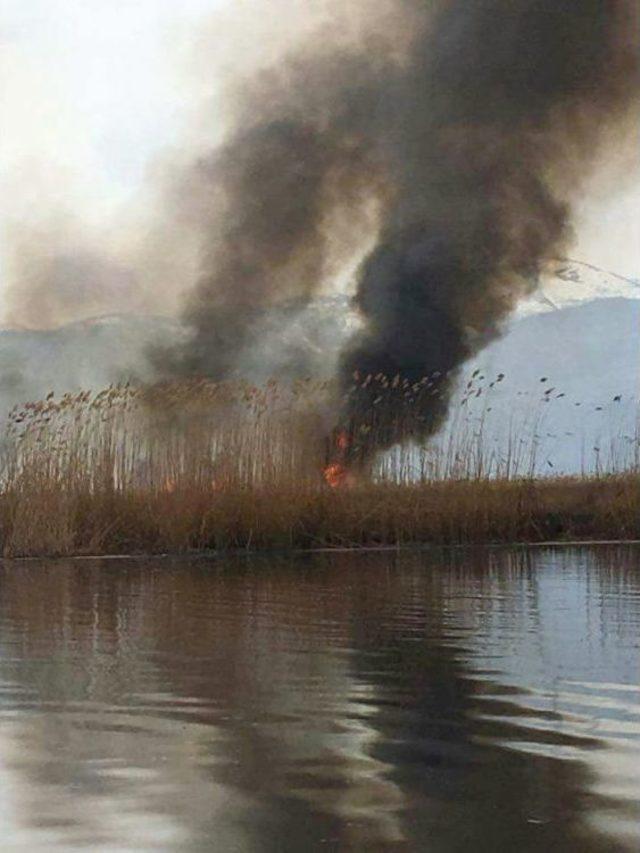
454, 151
337, 472
385, 410
335, 475
237, 465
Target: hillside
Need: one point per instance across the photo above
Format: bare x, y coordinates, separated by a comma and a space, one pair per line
579, 331
587, 354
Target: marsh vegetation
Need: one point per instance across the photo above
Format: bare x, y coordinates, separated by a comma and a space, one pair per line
200, 465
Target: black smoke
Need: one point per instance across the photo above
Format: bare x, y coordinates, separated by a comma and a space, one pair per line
468, 126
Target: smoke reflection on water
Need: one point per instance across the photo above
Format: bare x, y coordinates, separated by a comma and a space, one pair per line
485, 701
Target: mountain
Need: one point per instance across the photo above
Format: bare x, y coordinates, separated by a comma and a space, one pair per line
571, 376
579, 331
88, 354
573, 282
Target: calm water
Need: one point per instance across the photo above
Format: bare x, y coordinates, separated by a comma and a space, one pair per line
337, 702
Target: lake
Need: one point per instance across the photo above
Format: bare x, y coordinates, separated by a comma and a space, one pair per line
431, 701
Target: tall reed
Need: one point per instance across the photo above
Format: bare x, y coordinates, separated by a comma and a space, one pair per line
198, 465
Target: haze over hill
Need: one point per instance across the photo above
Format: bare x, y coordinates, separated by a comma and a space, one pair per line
571, 378
579, 331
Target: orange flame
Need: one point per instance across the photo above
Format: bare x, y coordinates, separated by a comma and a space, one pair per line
342, 440
335, 475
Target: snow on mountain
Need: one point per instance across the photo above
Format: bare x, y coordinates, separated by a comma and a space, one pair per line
573, 282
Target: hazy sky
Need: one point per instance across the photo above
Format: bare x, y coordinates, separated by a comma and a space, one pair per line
91, 90
93, 83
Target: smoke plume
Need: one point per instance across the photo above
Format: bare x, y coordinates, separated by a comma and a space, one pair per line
462, 133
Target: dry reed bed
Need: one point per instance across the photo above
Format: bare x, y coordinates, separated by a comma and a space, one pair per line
200, 465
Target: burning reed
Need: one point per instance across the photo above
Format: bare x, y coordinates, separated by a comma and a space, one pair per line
202, 465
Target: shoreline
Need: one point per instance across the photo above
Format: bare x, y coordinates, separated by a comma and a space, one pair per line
356, 549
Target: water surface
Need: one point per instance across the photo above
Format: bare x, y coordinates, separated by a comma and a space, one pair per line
417, 701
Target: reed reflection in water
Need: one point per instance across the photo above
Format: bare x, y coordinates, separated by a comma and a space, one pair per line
412, 701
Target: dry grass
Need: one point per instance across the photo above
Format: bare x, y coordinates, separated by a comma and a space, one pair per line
201, 465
